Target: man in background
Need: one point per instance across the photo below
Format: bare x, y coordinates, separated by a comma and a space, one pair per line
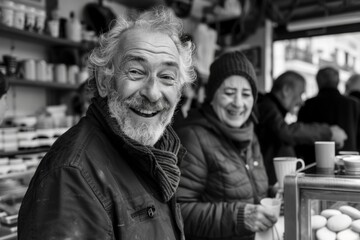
114, 175
333, 108
353, 86
277, 137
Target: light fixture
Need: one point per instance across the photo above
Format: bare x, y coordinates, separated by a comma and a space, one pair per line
327, 21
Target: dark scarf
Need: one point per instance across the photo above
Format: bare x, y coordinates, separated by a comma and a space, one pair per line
159, 162
241, 137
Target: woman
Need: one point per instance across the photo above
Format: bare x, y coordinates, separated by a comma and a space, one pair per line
223, 176
4, 87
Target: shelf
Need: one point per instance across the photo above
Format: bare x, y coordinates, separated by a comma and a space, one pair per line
23, 152
38, 38
49, 85
17, 175
12, 236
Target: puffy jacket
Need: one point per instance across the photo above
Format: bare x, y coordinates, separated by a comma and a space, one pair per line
217, 181
86, 187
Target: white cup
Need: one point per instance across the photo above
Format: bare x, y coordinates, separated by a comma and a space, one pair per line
272, 204
7, 13
325, 156
285, 166
54, 28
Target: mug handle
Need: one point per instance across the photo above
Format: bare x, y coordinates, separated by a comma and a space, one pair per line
302, 164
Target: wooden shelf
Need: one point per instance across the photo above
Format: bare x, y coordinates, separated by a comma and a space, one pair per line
38, 38
12, 236
48, 85
17, 175
23, 152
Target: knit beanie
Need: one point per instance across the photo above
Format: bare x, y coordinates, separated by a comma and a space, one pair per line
226, 65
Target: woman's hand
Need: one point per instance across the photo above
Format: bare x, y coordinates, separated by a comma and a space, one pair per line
257, 218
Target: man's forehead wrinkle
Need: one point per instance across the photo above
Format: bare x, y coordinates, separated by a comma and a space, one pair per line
134, 57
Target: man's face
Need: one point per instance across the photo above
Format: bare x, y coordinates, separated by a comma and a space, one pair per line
295, 97
233, 101
146, 87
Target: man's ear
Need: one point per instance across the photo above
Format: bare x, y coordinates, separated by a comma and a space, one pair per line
101, 83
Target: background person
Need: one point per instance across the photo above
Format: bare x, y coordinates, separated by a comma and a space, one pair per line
223, 176
277, 137
114, 175
353, 86
331, 107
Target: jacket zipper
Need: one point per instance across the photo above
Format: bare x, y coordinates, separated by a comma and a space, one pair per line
149, 211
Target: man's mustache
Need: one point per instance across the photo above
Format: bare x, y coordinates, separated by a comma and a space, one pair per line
144, 104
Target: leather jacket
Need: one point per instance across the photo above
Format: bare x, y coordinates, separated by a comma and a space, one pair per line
86, 187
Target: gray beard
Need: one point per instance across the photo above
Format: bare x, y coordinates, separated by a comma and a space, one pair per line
144, 133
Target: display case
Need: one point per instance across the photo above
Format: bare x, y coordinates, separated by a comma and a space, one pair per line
322, 207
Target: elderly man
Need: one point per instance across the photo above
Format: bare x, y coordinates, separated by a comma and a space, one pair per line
353, 86
277, 137
331, 107
114, 174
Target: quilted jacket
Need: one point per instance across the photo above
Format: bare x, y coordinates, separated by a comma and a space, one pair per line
217, 181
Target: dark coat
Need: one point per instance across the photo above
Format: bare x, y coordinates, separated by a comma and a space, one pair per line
278, 138
217, 181
87, 187
330, 107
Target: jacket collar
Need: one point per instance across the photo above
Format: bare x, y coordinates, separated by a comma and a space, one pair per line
159, 162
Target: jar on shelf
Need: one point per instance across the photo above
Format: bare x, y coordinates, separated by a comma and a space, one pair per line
40, 17
73, 72
41, 70
60, 73
7, 13
29, 69
73, 28
30, 16
19, 16
50, 72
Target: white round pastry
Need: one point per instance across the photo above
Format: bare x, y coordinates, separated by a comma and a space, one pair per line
325, 234
347, 234
350, 211
355, 226
338, 223
330, 212
318, 221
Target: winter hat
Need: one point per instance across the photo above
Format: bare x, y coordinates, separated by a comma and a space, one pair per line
229, 64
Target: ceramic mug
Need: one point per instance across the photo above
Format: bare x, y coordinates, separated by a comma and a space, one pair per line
285, 166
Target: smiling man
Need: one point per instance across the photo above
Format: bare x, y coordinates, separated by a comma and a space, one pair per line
114, 175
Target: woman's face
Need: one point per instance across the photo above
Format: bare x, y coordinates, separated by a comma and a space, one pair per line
233, 101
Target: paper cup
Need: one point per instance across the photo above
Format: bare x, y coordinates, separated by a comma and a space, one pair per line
272, 204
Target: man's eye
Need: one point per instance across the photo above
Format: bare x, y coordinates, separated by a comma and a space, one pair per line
169, 79
135, 72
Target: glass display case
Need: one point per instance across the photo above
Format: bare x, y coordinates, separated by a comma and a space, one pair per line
322, 207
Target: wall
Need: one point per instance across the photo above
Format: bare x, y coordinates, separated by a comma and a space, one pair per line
23, 101
262, 38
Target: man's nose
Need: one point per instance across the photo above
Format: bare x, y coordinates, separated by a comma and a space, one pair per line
151, 90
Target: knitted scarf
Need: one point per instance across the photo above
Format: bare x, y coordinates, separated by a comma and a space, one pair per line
241, 137
158, 162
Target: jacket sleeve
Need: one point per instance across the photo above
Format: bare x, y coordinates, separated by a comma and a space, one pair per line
204, 218
63, 206
291, 134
